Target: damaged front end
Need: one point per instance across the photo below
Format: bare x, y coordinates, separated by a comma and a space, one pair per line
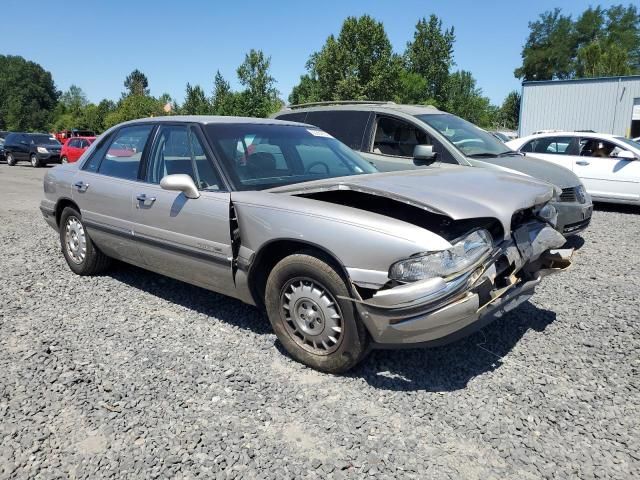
441, 309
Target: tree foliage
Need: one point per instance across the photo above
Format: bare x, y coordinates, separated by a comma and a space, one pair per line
509, 113
27, 94
223, 100
465, 99
260, 96
195, 102
430, 55
136, 83
357, 65
600, 42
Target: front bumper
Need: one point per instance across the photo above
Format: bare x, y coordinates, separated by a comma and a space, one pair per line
573, 217
433, 312
50, 157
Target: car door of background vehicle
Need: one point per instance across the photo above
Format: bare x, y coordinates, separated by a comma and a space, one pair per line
603, 174
183, 237
555, 149
23, 147
391, 143
75, 149
104, 190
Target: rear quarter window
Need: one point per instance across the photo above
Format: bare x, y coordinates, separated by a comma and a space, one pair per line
347, 126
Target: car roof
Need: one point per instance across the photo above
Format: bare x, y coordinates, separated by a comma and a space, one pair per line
388, 107
561, 133
213, 119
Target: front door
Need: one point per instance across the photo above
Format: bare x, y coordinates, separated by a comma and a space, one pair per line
104, 190
182, 237
605, 176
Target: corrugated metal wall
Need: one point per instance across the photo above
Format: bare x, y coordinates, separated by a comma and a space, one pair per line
604, 105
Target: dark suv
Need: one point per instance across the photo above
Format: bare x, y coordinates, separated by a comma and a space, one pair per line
37, 148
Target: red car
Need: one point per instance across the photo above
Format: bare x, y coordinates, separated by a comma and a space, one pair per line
74, 147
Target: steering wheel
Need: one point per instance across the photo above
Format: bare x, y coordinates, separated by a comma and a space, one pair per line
326, 167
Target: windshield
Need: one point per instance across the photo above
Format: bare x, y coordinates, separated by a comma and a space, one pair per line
472, 141
258, 156
44, 140
631, 143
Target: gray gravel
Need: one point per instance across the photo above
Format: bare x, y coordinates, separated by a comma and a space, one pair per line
135, 375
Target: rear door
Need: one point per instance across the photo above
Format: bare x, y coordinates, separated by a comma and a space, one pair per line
183, 237
556, 149
104, 190
605, 176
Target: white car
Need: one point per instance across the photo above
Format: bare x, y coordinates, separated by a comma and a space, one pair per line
608, 165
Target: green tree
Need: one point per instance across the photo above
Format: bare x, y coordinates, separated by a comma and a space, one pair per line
27, 94
465, 99
133, 107
260, 97
600, 42
195, 102
74, 100
430, 55
358, 64
549, 50
136, 83
509, 113
223, 100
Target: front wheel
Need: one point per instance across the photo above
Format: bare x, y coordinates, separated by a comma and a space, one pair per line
11, 160
35, 161
315, 326
64, 159
82, 256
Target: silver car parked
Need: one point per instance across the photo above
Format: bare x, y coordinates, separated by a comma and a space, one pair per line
387, 135
283, 216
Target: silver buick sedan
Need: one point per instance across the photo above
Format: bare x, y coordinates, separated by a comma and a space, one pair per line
285, 217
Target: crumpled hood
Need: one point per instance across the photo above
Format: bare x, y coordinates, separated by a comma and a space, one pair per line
537, 168
458, 192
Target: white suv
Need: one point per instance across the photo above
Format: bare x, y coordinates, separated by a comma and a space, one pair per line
608, 165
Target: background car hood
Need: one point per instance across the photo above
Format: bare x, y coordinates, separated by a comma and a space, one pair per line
535, 167
457, 192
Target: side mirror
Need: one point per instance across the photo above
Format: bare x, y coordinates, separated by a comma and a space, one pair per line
424, 155
626, 155
180, 182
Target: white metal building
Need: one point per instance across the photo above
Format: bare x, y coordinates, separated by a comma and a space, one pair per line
605, 105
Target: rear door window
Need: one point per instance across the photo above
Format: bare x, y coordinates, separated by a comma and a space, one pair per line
552, 145
348, 126
121, 156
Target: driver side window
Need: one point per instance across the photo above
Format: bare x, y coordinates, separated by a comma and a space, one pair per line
396, 137
594, 147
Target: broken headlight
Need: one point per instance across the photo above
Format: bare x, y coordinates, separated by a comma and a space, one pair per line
445, 263
549, 214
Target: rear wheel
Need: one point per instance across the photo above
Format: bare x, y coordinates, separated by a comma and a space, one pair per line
82, 256
313, 324
11, 160
35, 161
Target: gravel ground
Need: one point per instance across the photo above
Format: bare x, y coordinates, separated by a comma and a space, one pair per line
134, 375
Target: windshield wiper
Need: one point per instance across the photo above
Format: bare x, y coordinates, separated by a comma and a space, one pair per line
483, 155
510, 154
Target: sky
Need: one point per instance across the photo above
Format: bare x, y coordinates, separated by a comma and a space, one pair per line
96, 46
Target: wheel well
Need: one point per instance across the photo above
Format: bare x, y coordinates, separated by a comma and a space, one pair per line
61, 205
269, 255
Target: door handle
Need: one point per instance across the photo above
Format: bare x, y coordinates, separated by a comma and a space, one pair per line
81, 186
582, 162
145, 200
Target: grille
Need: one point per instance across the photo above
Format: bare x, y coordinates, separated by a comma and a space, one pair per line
568, 195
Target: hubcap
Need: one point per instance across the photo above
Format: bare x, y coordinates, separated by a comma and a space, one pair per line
34, 160
312, 316
75, 240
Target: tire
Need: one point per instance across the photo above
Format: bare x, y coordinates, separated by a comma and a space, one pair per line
83, 261
11, 160
64, 159
315, 327
35, 161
